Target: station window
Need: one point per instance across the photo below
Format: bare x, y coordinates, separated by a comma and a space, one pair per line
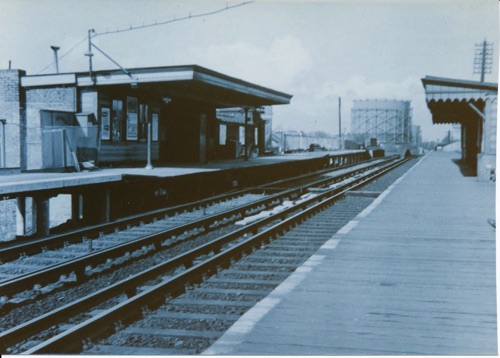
242, 135
222, 134
117, 119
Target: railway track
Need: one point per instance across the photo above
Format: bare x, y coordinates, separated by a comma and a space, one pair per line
82, 256
114, 305
10, 251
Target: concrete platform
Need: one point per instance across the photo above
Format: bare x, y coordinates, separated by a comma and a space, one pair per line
414, 273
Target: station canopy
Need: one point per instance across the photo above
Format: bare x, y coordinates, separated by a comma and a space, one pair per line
187, 82
453, 101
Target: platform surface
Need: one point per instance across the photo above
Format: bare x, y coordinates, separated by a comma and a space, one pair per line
414, 273
24, 182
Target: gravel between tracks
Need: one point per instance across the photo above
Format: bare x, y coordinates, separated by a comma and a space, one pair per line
345, 210
153, 330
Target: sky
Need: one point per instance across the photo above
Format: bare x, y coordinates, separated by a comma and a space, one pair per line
316, 51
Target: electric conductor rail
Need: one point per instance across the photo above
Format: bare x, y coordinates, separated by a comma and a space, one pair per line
159, 239
150, 287
13, 250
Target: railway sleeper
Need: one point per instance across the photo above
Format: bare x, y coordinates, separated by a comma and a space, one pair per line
208, 289
179, 333
209, 272
245, 281
185, 301
109, 350
255, 273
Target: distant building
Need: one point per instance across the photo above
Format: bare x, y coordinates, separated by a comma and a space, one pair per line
290, 141
240, 124
386, 122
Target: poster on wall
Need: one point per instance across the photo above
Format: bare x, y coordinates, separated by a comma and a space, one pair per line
105, 124
132, 125
154, 125
242, 135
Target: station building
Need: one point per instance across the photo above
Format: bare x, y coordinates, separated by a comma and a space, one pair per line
124, 117
234, 122
473, 106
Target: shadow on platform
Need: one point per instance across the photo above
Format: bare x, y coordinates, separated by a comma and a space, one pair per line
465, 169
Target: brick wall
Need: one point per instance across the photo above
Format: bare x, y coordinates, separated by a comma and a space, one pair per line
51, 98
490, 125
12, 110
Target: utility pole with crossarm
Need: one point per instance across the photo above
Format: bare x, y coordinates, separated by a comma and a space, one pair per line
483, 58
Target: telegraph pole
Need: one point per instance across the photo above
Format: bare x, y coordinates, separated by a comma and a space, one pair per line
89, 52
483, 58
55, 49
246, 134
340, 125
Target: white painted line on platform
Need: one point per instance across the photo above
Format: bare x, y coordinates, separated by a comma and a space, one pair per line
331, 244
314, 260
242, 326
247, 322
386, 192
290, 283
234, 335
254, 315
348, 227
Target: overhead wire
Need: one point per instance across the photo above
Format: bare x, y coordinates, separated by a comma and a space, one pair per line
165, 22
156, 23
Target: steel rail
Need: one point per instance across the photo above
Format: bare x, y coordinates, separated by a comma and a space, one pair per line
71, 339
11, 251
52, 273
33, 246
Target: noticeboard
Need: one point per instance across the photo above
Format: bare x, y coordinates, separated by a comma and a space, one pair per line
132, 124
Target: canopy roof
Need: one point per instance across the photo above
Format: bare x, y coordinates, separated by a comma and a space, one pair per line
189, 82
454, 101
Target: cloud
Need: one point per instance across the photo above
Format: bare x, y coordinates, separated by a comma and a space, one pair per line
357, 87
288, 60
319, 107
278, 66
